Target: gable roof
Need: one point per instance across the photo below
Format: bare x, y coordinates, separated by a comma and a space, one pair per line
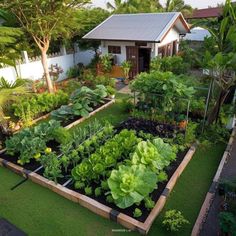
149, 27
211, 12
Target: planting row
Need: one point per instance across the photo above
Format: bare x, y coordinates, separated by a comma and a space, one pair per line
81, 103
125, 169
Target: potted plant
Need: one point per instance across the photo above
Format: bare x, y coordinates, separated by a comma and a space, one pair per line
181, 119
126, 66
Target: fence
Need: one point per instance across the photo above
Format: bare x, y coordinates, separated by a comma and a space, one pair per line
32, 67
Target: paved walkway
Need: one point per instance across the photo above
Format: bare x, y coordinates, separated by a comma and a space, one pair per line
211, 226
125, 90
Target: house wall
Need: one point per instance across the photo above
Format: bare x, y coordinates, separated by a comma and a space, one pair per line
172, 35
33, 69
122, 57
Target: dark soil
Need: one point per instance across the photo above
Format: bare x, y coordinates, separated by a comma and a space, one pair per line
155, 195
75, 118
153, 127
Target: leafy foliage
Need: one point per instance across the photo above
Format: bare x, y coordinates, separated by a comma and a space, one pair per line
174, 220
154, 155
30, 108
131, 184
227, 222
30, 142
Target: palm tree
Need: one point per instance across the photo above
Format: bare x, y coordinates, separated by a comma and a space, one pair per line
8, 41
176, 6
117, 6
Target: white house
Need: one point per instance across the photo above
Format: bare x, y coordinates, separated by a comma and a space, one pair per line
140, 37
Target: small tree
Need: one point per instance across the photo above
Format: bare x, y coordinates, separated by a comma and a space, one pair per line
44, 21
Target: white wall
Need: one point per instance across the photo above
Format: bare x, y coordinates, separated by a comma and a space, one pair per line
120, 57
34, 70
172, 35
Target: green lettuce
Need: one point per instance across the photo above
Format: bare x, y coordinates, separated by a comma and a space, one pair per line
131, 184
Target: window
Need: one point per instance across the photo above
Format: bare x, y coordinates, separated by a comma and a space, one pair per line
114, 49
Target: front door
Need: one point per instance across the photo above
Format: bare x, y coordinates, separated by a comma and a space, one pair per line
132, 56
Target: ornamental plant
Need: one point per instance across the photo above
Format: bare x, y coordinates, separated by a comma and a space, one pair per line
131, 184
174, 220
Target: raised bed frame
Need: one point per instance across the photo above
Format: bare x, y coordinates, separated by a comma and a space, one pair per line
102, 209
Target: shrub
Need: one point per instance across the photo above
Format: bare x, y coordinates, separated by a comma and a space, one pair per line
227, 222
73, 72
174, 64
174, 220
28, 109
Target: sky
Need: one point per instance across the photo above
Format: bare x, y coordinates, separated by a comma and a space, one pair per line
194, 3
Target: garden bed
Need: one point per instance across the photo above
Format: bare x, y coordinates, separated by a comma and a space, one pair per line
99, 204
107, 211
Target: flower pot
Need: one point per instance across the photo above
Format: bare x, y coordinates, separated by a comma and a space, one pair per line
183, 124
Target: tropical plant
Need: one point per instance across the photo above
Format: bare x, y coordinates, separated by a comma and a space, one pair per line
44, 21
106, 62
177, 6
131, 184
174, 220
126, 66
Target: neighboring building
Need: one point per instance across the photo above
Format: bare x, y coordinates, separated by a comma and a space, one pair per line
196, 37
140, 37
206, 13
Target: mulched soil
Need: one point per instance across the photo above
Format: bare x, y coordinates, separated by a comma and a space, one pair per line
155, 195
153, 127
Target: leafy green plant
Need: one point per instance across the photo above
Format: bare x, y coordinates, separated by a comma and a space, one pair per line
30, 108
98, 191
126, 66
106, 62
174, 64
227, 222
131, 184
73, 72
154, 155
88, 190
137, 212
32, 141
174, 220
149, 203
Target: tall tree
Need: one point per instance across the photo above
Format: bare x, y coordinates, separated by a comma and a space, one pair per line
44, 21
177, 5
116, 6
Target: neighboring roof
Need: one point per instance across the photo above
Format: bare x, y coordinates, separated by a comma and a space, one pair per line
212, 12
197, 34
149, 27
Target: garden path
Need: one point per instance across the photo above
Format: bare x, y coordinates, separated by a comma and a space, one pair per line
211, 225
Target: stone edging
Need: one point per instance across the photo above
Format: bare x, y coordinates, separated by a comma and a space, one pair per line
99, 208
211, 193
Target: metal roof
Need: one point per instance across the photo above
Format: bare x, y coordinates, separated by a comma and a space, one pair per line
197, 34
150, 27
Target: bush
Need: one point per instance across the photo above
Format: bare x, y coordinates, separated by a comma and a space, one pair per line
31, 108
227, 222
174, 220
173, 64
73, 72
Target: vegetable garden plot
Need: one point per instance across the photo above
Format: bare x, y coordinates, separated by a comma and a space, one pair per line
122, 171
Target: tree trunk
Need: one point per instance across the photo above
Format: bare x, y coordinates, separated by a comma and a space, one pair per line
46, 71
216, 109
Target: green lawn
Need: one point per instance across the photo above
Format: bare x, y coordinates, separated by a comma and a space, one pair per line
38, 211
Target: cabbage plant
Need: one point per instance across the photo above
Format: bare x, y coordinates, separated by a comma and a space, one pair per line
131, 184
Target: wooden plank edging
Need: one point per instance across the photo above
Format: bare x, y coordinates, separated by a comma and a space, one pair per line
90, 114
211, 192
102, 209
